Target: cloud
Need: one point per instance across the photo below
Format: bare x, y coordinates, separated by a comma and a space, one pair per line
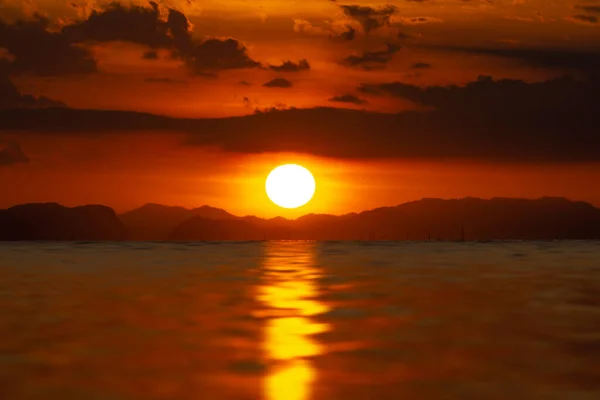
339, 31
584, 19
370, 18
290, 66
587, 62
11, 153
36, 50
588, 17
485, 94
553, 121
489, 120
305, 26
589, 9
348, 98
421, 65
347, 35
404, 36
372, 59
135, 24
40, 51
418, 20
150, 55
11, 97
144, 25
218, 54
278, 83
278, 106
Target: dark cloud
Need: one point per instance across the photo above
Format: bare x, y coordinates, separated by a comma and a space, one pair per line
135, 24
589, 9
372, 59
370, 18
421, 65
144, 25
290, 66
347, 35
180, 31
11, 153
280, 106
218, 54
39, 51
491, 120
584, 18
348, 98
486, 94
11, 97
36, 50
404, 36
586, 61
150, 55
418, 20
554, 121
69, 121
278, 83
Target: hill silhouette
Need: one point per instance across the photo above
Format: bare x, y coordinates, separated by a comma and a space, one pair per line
498, 218
157, 222
546, 218
51, 221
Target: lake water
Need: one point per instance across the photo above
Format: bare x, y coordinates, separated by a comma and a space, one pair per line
300, 320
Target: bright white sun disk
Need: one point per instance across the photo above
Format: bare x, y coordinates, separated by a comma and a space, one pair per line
290, 186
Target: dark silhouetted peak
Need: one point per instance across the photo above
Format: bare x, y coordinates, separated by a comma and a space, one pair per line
52, 221
546, 218
479, 219
156, 221
211, 212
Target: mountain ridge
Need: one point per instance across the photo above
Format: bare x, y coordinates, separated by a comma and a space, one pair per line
545, 218
52, 221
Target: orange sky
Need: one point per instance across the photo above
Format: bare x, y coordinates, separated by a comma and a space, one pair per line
440, 43
167, 174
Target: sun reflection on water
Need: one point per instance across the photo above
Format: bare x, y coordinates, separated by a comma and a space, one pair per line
290, 295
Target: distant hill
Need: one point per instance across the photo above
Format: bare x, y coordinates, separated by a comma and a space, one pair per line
499, 218
157, 222
51, 221
495, 219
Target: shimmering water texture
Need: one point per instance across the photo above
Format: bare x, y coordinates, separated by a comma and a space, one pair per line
300, 320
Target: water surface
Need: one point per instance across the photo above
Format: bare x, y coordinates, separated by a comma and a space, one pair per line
300, 320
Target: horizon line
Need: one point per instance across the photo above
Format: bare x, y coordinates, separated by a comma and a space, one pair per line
311, 213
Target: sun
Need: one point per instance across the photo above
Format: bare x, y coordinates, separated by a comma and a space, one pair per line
290, 186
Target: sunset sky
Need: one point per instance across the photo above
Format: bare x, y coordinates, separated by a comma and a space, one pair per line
384, 101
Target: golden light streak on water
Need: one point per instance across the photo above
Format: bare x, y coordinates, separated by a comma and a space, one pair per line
289, 294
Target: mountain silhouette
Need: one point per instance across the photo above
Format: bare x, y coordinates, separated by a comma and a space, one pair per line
157, 222
547, 218
51, 221
469, 218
